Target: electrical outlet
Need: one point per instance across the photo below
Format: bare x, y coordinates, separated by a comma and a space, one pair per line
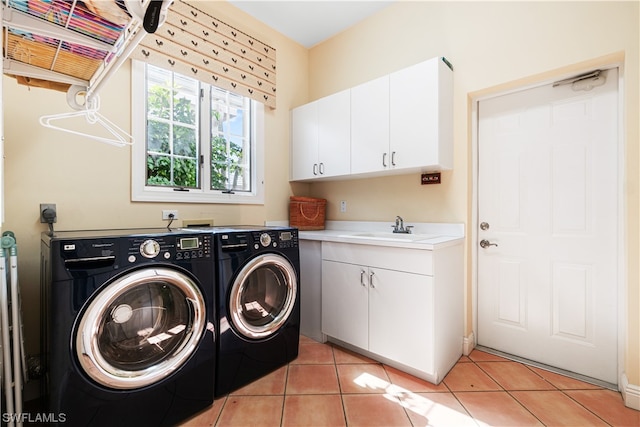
167, 212
50, 216
343, 206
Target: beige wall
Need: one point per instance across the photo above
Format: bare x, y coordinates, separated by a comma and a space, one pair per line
490, 44
90, 181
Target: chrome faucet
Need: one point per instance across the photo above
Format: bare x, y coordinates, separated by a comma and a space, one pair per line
400, 228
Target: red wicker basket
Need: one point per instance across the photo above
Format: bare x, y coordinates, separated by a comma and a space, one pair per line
307, 213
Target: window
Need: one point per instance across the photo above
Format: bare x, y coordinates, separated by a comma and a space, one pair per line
193, 142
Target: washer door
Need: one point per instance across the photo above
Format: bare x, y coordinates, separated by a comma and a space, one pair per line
263, 296
140, 328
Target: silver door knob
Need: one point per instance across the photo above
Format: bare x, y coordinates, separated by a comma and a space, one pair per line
484, 226
484, 243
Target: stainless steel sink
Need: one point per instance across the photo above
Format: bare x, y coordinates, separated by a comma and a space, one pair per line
391, 237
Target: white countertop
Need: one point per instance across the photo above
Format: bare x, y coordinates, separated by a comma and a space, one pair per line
427, 236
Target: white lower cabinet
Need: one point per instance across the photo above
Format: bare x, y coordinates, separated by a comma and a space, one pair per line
403, 305
399, 327
345, 303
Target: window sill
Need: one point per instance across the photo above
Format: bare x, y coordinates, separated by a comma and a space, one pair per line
149, 195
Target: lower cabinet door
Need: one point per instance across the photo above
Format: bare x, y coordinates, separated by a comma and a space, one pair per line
345, 307
401, 317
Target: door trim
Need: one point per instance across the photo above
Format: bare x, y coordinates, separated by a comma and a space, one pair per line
474, 98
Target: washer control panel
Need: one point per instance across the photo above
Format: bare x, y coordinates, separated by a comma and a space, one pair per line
150, 248
180, 247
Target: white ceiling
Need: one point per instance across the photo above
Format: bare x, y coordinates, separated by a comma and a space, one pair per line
310, 22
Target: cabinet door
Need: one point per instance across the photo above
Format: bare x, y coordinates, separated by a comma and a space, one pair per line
334, 134
414, 115
345, 307
370, 126
401, 317
304, 141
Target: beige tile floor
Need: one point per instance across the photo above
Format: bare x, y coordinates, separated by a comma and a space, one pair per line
330, 386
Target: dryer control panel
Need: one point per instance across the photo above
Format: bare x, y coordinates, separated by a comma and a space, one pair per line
258, 240
275, 239
288, 239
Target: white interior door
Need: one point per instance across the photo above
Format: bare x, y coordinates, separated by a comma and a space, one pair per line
548, 208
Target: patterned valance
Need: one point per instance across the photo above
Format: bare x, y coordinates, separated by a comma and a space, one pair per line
194, 43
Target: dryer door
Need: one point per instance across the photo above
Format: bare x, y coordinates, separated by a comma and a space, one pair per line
263, 296
140, 328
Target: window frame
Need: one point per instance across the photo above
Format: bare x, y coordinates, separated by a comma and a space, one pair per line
140, 192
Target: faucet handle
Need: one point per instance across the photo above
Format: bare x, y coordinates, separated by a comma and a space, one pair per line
408, 228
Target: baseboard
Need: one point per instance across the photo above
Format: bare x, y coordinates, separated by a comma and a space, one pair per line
468, 343
630, 393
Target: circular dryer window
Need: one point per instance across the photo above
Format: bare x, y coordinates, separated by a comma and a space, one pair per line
263, 296
140, 328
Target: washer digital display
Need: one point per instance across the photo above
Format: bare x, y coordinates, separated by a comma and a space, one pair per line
189, 243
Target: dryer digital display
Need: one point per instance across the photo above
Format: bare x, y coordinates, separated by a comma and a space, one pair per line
285, 235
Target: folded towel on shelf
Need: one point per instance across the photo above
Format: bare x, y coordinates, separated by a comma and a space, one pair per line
109, 10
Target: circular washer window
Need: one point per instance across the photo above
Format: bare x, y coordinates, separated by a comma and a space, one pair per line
140, 328
263, 296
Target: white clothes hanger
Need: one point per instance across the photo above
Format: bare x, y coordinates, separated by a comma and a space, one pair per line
88, 110
151, 16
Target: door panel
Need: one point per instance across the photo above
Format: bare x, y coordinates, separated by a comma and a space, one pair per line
395, 299
262, 296
370, 126
140, 328
548, 190
334, 134
304, 141
345, 302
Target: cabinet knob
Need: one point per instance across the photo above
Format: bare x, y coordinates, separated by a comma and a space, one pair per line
384, 160
315, 169
371, 279
362, 273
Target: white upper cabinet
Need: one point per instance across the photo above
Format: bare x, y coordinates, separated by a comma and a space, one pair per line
321, 138
370, 126
399, 123
304, 145
421, 116
334, 135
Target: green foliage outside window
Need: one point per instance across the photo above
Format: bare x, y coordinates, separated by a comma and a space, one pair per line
176, 165
224, 159
169, 164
